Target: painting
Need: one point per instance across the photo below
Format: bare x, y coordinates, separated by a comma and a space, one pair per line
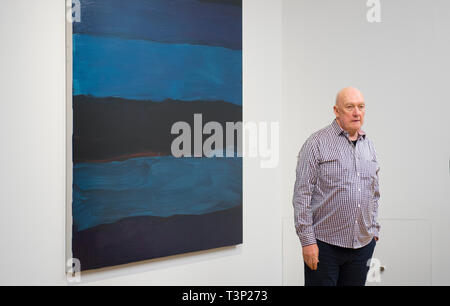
139, 68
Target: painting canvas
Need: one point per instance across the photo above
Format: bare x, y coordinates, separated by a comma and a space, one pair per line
139, 67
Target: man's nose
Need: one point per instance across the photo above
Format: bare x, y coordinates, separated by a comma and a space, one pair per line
357, 112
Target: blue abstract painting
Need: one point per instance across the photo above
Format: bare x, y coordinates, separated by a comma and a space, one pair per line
139, 67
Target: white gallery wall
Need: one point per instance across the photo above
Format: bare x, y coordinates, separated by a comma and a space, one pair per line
33, 149
401, 65
32, 133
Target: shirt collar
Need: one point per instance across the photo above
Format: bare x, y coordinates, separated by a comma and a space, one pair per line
338, 130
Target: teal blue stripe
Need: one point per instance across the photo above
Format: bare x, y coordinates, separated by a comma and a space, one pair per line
154, 186
145, 70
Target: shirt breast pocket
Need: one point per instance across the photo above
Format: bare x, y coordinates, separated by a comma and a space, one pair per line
333, 168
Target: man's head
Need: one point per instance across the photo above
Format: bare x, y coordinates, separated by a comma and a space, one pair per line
350, 109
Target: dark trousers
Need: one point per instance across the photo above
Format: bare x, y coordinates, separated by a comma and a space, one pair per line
340, 266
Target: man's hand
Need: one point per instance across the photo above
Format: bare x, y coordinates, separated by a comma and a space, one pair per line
311, 255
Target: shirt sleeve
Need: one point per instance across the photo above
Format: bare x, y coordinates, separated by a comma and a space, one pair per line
306, 179
376, 195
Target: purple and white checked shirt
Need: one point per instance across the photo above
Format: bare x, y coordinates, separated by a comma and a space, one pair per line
336, 190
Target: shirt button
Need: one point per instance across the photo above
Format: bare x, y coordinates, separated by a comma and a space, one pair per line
359, 205
359, 189
356, 221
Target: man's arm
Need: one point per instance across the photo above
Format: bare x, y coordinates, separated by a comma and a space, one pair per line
376, 194
376, 197
306, 179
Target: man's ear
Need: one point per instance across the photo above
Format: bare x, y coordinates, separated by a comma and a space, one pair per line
336, 110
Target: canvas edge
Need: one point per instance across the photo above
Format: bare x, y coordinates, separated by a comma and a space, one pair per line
69, 131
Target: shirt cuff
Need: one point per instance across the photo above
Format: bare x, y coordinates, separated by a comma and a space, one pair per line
307, 239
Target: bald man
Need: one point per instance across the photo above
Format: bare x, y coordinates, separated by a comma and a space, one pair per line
336, 197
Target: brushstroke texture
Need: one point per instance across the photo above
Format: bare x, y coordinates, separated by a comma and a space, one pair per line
169, 21
117, 129
139, 238
133, 69
154, 186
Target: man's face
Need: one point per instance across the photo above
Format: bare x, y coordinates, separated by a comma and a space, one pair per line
350, 110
